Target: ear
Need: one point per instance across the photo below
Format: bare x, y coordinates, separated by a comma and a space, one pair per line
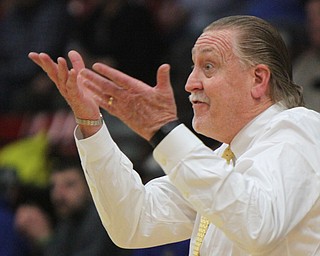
260, 87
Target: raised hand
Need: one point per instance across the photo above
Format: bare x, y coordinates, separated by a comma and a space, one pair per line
142, 107
81, 99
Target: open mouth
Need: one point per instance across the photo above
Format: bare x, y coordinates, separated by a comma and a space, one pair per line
197, 102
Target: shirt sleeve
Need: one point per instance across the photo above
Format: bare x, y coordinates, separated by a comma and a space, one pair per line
133, 214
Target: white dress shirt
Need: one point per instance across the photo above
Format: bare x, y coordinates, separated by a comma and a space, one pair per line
266, 202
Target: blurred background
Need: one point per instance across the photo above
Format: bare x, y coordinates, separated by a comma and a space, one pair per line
135, 36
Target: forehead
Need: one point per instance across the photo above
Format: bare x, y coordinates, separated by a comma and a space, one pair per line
218, 42
66, 175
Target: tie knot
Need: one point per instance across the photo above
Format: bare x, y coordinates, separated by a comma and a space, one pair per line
228, 154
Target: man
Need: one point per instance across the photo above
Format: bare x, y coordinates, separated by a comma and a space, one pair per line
78, 231
264, 200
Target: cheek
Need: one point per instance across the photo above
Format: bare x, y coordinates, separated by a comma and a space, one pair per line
223, 102
215, 92
78, 196
206, 117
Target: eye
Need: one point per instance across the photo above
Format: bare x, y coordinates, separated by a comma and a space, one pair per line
208, 66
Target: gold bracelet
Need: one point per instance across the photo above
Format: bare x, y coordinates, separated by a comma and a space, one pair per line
90, 122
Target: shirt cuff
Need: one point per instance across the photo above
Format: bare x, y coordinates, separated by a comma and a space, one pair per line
94, 147
175, 146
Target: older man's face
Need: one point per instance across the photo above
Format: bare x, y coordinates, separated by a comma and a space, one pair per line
220, 86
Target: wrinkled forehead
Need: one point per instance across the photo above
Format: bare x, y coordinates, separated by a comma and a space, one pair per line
218, 42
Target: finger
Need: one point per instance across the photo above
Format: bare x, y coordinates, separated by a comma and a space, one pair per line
49, 66
62, 75
35, 58
98, 84
76, 60
107, 102
100, 94
121, 79
98, 97
163, 77
71, 85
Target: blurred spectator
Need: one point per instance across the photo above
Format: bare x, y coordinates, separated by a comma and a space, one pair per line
40, 136
171, 18
306, 68
79, 231
11, 242
28, 25
37, 214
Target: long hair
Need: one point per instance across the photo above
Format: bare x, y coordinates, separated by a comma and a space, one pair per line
258, 42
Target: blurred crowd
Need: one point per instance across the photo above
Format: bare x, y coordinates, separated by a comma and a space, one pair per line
38, 157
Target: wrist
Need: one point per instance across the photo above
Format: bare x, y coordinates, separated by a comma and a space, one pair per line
89, 127
90, 122
163, 132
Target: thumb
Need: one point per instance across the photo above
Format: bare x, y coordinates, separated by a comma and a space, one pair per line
163, 77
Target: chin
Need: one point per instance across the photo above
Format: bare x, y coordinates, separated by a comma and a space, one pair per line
202, 128
198, 126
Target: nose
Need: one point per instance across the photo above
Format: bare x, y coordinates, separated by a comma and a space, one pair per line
193, 82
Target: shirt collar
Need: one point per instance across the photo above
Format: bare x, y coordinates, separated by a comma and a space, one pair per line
247, 134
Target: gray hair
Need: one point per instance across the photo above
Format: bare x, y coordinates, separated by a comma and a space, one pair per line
258, 42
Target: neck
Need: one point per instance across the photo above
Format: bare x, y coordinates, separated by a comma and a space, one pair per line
245, 119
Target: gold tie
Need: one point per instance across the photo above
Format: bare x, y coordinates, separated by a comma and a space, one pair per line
204, 222
228, 154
